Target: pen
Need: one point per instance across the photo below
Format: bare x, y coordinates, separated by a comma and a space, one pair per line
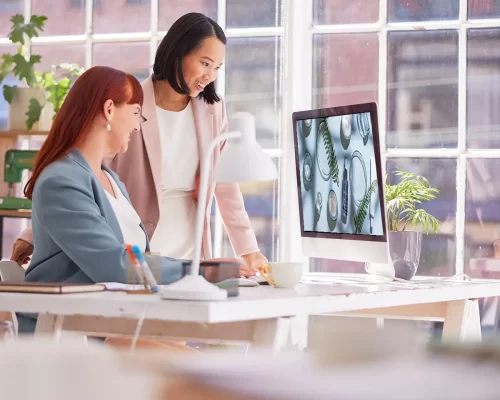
136, 265
150, 279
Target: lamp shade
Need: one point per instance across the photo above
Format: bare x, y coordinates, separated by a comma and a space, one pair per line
242, 159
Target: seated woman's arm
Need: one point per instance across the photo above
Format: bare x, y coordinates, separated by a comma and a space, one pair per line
69, 213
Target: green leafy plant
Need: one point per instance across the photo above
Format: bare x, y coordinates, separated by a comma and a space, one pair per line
359, 219
56, 82
402, 200
327, 142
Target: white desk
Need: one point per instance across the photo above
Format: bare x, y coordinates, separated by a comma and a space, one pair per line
261, 315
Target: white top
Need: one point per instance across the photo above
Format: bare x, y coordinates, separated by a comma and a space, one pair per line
127, 217
179, 148
174, 234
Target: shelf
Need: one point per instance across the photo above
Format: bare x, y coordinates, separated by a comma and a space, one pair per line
15, 213
17, 133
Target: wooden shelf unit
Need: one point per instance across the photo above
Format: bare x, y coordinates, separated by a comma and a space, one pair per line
17, 133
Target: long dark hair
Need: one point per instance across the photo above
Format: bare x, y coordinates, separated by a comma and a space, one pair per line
185, 36
80, 108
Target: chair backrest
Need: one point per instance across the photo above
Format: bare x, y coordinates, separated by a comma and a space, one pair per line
11, 271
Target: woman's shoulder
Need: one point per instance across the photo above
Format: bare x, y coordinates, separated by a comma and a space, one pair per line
62, 171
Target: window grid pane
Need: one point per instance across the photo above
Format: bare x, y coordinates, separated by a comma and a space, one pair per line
130, 16
482, 232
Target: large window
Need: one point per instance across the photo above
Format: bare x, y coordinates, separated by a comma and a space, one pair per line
434, 67
125, 34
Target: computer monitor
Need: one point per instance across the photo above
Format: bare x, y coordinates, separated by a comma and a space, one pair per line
340, 183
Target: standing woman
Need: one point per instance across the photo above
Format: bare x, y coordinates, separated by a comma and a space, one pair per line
161, 167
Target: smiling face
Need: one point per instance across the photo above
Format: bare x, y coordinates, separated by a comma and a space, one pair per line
125, 121
200, 67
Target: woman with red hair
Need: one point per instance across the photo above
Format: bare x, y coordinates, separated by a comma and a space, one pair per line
82, 215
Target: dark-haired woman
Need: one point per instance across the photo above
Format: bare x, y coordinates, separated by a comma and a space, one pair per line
161, 168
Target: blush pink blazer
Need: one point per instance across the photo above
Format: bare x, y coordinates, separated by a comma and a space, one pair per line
140, 169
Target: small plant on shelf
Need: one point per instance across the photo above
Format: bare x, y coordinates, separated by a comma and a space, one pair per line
53, 84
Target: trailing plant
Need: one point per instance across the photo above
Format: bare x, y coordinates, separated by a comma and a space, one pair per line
360, 217
56, 82
330, 150
403, 198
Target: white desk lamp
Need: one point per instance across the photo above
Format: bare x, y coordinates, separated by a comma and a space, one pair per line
242, 160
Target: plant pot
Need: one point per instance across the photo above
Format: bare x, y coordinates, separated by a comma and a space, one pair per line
20, 105
404, 249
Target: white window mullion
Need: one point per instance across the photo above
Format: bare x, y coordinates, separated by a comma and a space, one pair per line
218, 233
88, 33
254, 32
382, 81
347, 28
405, 26
27, 16
297, 95
27, 10
153, 43
462, 139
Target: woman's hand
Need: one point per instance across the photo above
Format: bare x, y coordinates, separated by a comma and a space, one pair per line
21, 251
253, 262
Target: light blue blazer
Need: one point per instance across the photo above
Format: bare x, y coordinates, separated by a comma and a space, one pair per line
76, 235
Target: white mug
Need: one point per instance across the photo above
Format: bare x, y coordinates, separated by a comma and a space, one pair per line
283, 275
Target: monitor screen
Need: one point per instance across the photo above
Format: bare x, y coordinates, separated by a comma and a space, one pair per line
338, 172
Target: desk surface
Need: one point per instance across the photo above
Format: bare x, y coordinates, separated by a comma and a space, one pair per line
253, 303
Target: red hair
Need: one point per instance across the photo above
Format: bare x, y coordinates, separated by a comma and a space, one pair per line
81, 107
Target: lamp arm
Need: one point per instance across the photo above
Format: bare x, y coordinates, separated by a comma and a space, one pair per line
202, 197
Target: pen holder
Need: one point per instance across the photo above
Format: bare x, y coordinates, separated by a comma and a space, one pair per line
154, 262
218, 273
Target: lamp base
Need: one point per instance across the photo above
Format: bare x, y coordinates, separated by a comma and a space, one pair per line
193, 287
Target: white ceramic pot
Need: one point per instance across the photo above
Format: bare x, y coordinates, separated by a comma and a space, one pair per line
19, 107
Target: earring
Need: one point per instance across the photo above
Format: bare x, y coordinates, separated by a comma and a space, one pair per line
108, 126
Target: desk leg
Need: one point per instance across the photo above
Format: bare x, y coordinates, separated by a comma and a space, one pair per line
49, 324
462, 322
272, 334
1, 238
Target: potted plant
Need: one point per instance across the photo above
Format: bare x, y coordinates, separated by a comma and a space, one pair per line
404, 216
34, 105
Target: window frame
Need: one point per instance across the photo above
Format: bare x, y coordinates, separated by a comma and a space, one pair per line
461, 153
153, 37
296, 34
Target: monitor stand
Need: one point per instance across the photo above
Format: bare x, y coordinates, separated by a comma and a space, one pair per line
381, 272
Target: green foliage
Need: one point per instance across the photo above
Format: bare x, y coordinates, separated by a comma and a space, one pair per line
20, 30
56, 82
327, 142
8, 92
402, 200
360, 217
33, 113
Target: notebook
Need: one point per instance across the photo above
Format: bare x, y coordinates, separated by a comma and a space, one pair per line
50, 288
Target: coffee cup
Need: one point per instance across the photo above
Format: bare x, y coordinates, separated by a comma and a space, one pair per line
283, 275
